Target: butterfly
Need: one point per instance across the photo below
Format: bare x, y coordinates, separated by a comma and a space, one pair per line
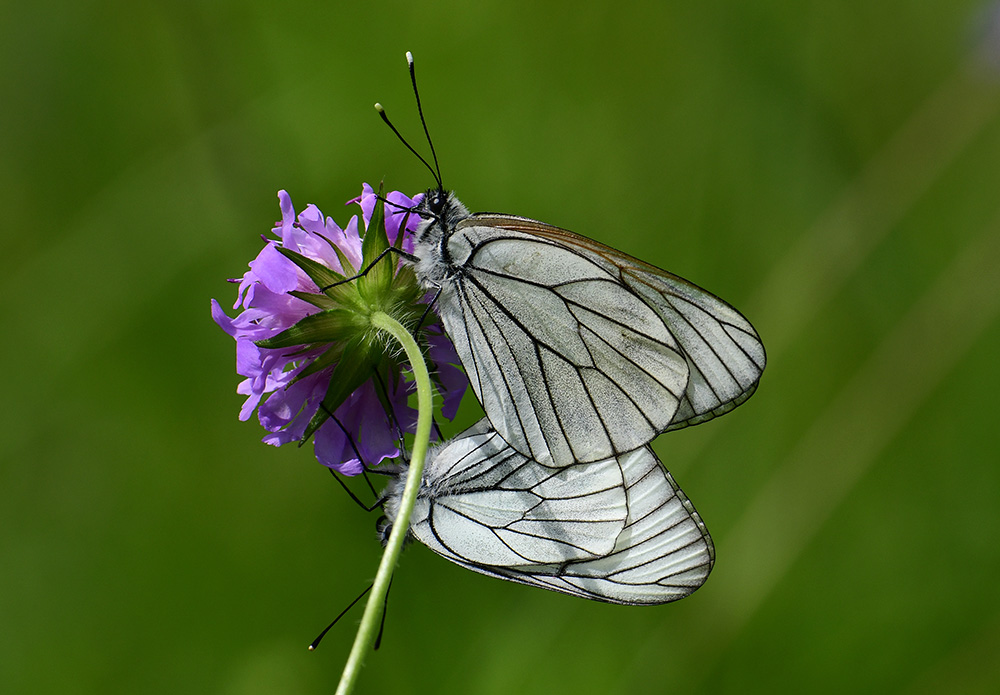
578, 352
617, 530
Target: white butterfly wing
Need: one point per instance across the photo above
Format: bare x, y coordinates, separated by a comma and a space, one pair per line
569, 364
663, 554
579, 352
483, 501
723, 351
619, 530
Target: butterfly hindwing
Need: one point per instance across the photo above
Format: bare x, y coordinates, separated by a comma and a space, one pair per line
663, 554
486, 503
618, 530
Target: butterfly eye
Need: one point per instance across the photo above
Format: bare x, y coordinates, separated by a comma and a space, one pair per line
437, 202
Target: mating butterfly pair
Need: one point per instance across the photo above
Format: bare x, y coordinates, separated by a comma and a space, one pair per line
580, 355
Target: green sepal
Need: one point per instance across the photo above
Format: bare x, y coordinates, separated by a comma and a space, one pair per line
330, 356
398, 244
317, 272
345, 262
349, 270
405, 280
376, 243
330, 326
318, 300
355, 367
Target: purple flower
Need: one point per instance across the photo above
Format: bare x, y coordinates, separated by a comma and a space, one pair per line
313, 366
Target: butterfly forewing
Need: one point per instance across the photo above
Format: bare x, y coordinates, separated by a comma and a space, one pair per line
722, 353
503, 370
569, 363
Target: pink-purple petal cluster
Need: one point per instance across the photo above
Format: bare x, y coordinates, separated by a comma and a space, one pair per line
360, 432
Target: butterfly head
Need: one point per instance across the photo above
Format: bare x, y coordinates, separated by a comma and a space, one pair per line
434, 202
442, 209
441, 212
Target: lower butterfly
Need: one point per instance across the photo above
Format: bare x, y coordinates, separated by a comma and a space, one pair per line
617, 530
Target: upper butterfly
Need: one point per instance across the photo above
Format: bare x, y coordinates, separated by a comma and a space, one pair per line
577, 352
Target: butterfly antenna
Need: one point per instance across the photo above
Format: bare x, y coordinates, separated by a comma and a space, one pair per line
381, 112
315, 642
420, 111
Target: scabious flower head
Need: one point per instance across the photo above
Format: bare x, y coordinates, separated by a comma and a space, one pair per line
314, 366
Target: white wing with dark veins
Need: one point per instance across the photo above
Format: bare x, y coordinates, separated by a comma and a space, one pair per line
618, 530
579, 352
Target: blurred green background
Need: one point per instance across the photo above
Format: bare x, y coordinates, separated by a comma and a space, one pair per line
832, 169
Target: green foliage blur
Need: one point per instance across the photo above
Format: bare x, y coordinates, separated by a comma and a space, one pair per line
832, 169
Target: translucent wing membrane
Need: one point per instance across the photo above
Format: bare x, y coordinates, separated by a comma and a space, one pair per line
579, 352
618, 530
723, 351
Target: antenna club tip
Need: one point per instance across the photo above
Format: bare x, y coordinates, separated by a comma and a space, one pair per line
378, 107
311, 647
409, 58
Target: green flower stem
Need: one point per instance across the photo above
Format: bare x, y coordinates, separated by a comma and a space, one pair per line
369, 621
